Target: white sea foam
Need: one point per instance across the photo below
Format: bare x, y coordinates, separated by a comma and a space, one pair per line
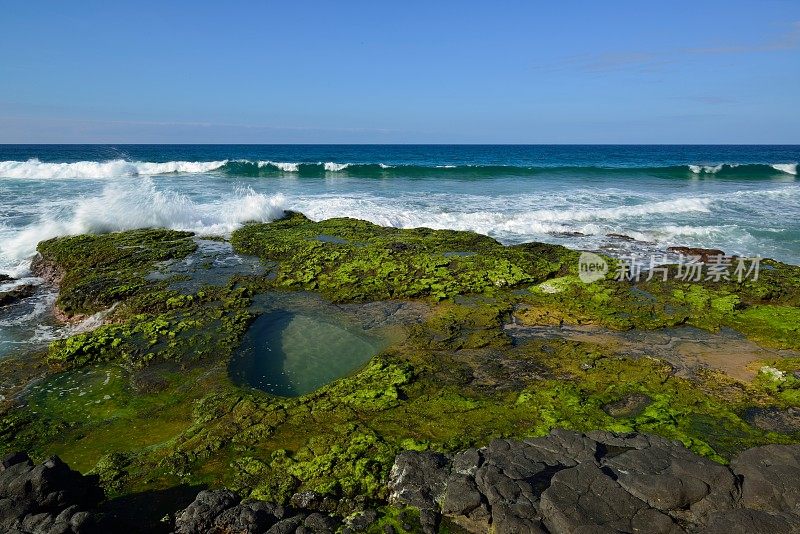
705, 169
789, 168
492, 219
35, 169
335, 167
284, 166
128, 204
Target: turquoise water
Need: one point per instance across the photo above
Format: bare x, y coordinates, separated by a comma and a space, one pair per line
290, 354
743, 199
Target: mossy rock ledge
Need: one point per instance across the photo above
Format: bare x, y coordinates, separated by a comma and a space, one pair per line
506, 343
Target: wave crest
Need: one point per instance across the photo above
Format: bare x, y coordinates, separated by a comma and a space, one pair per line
789, 168
127, 205
37, 170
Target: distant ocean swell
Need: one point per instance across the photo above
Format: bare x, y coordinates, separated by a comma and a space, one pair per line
38, 170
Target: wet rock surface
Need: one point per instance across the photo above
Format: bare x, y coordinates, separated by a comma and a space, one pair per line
561, 483
774, 419
16, 294
224, 512
603, 482
48, 498
704, 254
686, 348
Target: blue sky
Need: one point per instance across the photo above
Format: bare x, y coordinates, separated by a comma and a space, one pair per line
401, 72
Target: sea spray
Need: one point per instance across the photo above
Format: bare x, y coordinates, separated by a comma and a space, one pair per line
126, 204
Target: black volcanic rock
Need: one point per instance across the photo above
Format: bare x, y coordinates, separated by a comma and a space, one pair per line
48, 498
586, 498
224, 512
18, 293
601, 482
770, 478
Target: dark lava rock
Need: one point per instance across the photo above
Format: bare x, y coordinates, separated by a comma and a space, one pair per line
201, 514
703, 253
586, 498
748, 521
419, 479
361, 521
48, 498
602, 482
317, 522
568, 234
285, 526
770, 478
223, 512
18, 293
5, 278
622, 237
674, 480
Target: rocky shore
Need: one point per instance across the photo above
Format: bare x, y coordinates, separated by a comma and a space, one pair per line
563, 483
601, 482
504, 394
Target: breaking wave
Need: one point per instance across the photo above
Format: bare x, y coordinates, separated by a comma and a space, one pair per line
131, 204
38, 170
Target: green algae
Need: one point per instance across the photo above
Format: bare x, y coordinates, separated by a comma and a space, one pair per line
764, 310
455, 380
96, 271
370, 262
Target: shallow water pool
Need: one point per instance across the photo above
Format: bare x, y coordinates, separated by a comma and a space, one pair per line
290, 354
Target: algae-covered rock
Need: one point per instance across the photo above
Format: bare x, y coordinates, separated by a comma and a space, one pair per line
348, 259
490, 349
94, 271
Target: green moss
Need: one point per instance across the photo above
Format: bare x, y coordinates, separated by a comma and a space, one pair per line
776, 326
363, 261
99, 270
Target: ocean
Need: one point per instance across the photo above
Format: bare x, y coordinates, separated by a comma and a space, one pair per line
742, 199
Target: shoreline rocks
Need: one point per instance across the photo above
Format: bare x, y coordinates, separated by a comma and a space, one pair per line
48, 271
703, 253
224, 512
561, 483
600, 481
16, 294
49, 498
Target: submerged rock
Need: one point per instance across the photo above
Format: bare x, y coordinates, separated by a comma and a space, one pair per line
601, 481
16, 294
703, 253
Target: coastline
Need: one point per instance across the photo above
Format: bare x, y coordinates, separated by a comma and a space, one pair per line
509, 344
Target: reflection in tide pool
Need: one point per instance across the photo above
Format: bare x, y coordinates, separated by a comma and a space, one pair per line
291, 354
